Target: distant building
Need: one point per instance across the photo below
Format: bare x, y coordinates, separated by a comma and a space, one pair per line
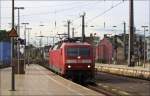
115, 49
148, 48
120, 55
138, 46
104, 51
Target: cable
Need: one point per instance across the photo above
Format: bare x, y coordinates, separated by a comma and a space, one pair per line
53, 12
90, 20
104, 12
49, 6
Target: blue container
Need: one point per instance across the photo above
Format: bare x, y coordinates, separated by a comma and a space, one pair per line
5, 53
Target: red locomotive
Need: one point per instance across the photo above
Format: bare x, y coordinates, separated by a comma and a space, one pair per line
72, 60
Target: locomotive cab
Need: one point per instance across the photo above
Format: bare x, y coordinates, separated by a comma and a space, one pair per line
79, 62
73, 60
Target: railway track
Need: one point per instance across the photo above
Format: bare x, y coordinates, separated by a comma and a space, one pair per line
99, 89
114, 85
91, 86
123, 86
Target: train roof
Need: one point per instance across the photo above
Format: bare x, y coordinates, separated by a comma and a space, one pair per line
69, 42
61, 45
75, 43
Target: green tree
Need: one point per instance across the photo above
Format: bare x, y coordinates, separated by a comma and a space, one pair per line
4, 35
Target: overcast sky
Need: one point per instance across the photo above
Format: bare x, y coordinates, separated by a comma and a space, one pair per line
97, 12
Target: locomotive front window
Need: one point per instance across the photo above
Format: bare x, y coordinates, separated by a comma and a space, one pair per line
73, 52
84, 52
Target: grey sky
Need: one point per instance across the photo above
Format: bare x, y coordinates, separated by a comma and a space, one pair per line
47, 12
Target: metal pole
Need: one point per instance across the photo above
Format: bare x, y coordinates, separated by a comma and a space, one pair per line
72, 32
28, 47
40, 39
25, 41
18, 40
68, 28
124, 40
12, 53
0, 15
131, 34
41, 36
28, 44
53, 41
47, 40
18, 22
25, 45
115, 46
18, 31
144, 45
83, 27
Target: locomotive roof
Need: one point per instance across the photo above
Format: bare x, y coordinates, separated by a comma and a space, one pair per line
60, 45
69, 42
75, 44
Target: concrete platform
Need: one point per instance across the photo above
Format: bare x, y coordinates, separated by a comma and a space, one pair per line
40, 81
124, 70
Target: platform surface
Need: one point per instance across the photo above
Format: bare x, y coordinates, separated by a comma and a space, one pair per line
42, 82
140, 68
124, 70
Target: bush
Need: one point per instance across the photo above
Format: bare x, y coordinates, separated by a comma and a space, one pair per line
4, 35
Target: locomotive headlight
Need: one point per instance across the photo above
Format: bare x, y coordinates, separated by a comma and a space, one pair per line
79, 57
69, 66
89, 66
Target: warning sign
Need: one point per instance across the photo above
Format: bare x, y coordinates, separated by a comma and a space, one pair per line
13, 33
